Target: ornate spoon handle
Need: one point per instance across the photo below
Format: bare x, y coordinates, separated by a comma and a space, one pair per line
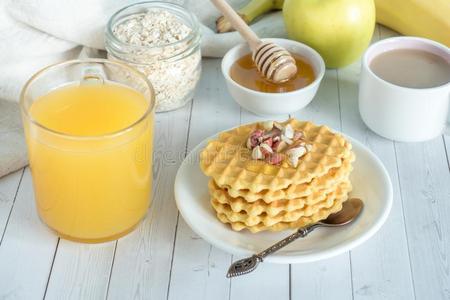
247, 265
300, 233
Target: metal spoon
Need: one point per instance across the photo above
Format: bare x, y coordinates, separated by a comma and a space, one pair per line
349, 212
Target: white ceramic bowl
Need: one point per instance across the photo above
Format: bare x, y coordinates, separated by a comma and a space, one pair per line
270, 104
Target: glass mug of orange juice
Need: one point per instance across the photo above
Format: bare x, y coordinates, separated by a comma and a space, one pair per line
89, 130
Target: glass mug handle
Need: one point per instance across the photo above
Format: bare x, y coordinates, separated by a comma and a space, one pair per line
92, 75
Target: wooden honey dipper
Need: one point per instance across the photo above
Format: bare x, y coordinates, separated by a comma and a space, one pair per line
275, 63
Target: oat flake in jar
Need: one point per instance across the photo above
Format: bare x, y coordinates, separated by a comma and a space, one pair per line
162, 40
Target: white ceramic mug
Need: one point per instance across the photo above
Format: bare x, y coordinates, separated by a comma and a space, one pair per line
400, 113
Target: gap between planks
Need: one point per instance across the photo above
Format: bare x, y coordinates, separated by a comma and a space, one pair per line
12, 204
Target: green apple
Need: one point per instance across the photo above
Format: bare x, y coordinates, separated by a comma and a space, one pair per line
340, 30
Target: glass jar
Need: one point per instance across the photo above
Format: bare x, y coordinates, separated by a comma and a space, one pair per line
172, 68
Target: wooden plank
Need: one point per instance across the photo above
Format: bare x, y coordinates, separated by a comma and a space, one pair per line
8, 190
446, 138
425, 188
329, 278
27, 250
269, 281
143, 258
326, 279
214, 110
80, 271
380, 267
324, 108
249, 117
198, 270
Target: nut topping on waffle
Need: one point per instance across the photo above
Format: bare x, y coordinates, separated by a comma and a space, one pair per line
273, 142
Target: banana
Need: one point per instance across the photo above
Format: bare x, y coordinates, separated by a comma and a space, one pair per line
248, 13
425, 18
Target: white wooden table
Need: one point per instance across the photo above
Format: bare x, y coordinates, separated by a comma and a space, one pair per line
409, 258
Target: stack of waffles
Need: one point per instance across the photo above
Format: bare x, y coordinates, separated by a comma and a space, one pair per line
298, 178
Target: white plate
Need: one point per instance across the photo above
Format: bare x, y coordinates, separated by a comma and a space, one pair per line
370, 181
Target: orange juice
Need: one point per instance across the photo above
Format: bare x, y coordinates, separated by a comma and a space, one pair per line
90, 151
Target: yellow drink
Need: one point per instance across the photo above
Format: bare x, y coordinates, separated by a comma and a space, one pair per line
90, 151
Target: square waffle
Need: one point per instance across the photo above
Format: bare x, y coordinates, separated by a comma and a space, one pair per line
248, 192
229, 162
330, 179
221, 197
267, 216
321, 214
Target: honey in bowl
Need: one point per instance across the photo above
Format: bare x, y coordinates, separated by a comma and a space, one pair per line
244, 72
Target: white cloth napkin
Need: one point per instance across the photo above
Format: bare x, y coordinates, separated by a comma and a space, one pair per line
36, 33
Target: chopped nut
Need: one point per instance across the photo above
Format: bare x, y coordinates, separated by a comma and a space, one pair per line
274, 159
293, 161
308, 147
297, 143
255, 138
258, 132
256, 153
265, 149
294, 155
298, 135
274, 132
275, 141
286, 140
278, 125
288, 131
249, 144
275, 145
268, 125
281, 146
268, 141
299, 151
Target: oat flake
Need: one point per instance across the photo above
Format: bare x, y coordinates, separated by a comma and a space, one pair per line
157, 35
